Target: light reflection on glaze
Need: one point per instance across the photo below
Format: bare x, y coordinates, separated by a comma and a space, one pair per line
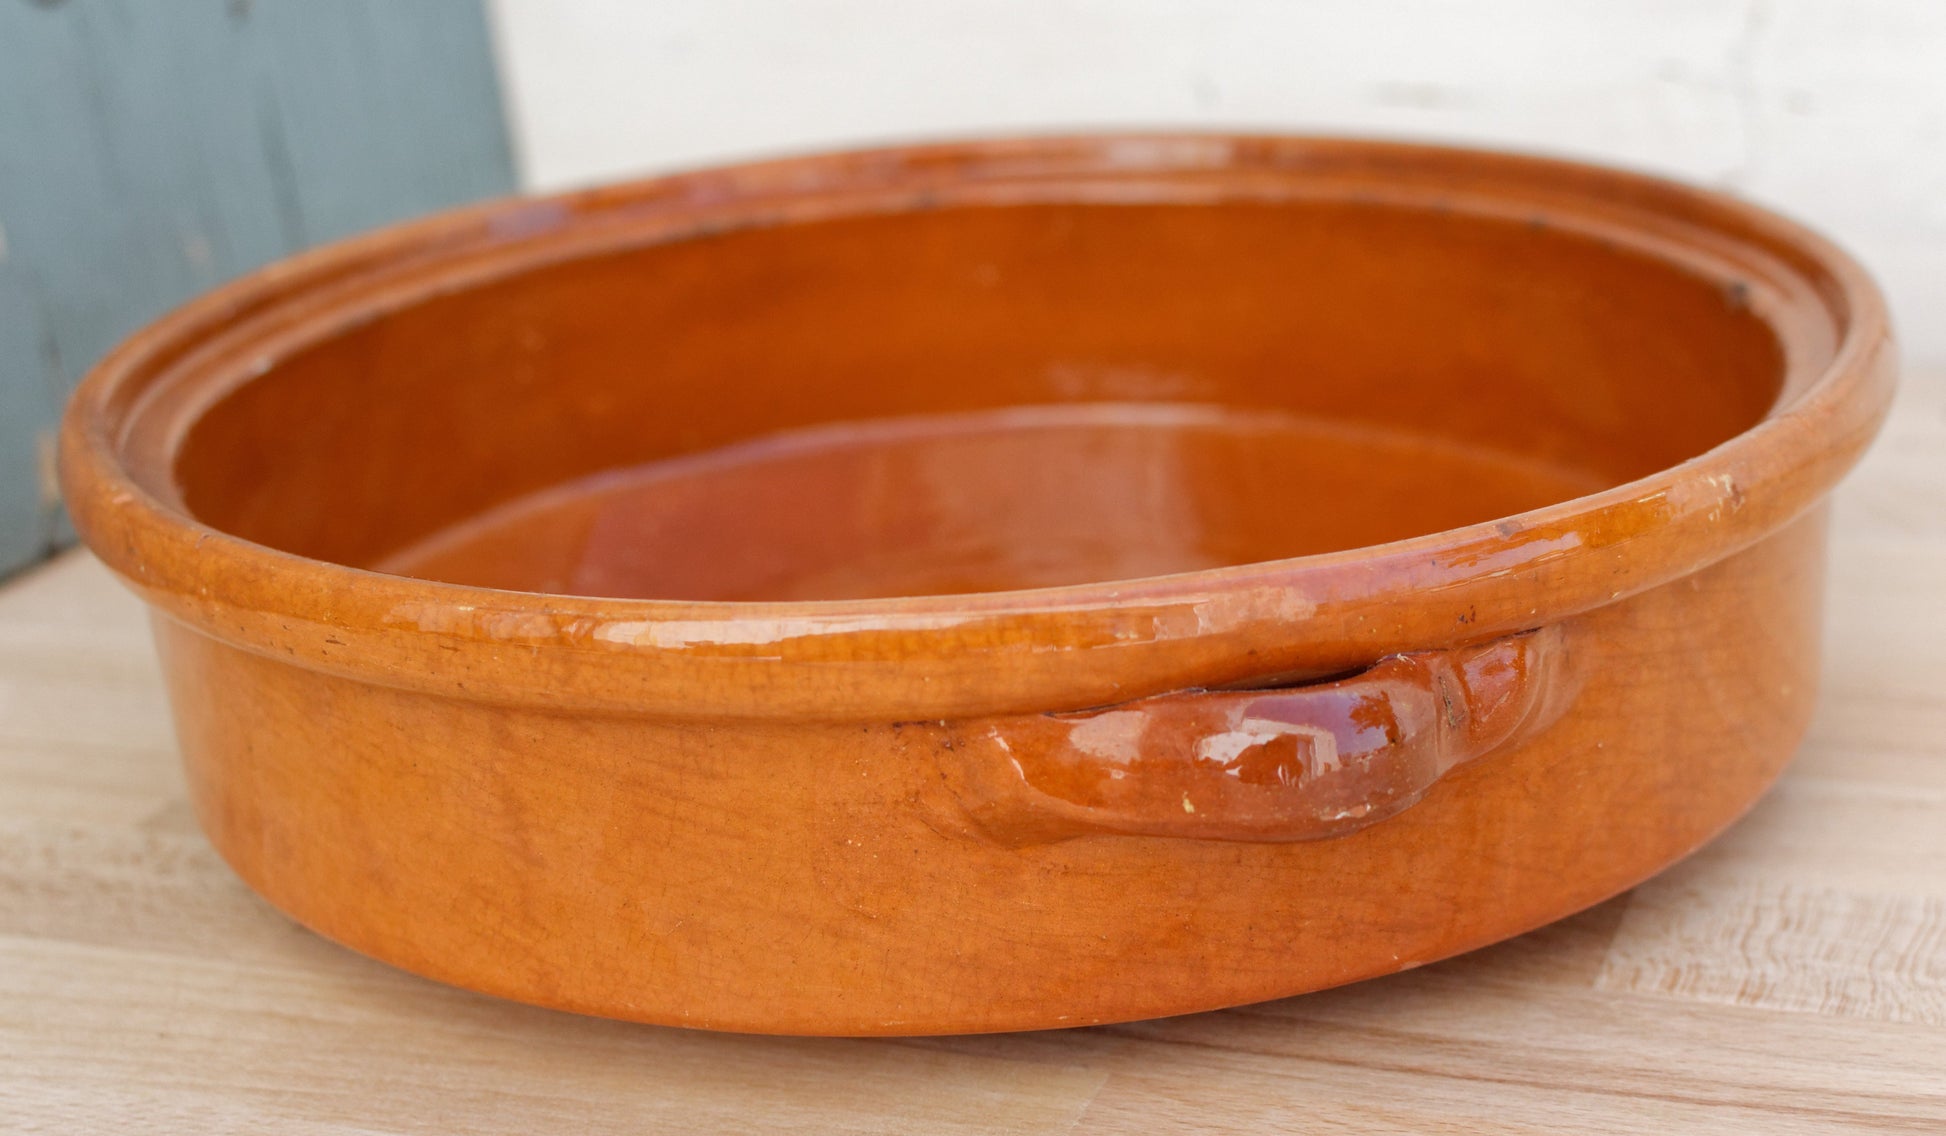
1008, 499
1303, 763
1515, 550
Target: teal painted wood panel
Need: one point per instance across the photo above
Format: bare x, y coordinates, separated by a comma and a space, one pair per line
152, 148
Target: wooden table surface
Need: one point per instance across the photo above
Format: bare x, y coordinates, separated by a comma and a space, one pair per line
1789, 978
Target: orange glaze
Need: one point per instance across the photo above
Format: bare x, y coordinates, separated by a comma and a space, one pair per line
989, 586
986, 501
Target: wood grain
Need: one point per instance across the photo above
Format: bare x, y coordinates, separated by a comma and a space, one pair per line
1787, 979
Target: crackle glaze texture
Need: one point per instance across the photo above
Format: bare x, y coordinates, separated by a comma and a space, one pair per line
989, 586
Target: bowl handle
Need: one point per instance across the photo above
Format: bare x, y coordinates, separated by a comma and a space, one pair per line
1287, 764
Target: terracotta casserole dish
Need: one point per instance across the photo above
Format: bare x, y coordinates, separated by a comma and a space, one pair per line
989, 586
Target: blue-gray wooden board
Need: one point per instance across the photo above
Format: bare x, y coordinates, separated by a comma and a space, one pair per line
152, 148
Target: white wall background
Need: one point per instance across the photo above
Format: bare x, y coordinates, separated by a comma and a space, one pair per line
1834, 110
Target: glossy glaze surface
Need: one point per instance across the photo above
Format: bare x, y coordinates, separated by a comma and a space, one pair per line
986, 501
650, 739
1299, 763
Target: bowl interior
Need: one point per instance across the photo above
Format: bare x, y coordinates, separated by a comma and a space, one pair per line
971, 398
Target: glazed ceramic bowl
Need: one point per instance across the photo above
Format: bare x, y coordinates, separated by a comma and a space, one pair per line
989, 586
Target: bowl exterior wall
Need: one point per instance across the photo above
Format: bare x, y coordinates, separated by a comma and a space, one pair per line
822, 878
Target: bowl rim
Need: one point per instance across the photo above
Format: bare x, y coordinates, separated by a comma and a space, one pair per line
1306, 615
